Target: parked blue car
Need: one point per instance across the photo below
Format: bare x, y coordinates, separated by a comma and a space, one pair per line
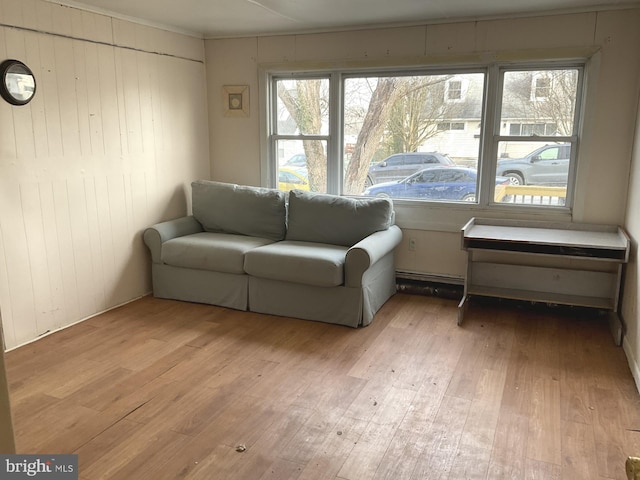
440, 183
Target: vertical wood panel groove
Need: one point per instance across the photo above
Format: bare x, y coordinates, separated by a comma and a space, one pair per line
73, 250
54, 267
5, 296
29, 266
49, 300
97, 266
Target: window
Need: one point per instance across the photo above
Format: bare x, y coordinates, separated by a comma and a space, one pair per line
540, 87
300, 122
377, 133
453, 90
451, 126
533, 129
536, 156
429, 159
395, 161
407, 114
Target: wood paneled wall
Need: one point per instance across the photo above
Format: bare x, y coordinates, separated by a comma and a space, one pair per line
116, 132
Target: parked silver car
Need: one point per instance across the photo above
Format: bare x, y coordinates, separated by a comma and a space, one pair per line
547, 165
401, 165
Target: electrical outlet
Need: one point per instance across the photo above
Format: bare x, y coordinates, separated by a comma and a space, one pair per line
412, 244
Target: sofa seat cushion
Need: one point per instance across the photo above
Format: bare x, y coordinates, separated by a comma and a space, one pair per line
220, 252
298, 262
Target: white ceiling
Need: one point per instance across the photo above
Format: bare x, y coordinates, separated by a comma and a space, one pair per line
225, 18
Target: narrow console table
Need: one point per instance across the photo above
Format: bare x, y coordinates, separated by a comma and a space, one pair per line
549, 262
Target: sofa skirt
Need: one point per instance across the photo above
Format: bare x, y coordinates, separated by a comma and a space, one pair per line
337, 305
350, 306
200, 286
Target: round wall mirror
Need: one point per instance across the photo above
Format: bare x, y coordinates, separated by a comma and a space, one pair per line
18, 85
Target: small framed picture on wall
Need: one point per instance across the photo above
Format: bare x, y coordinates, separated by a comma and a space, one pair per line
235, 100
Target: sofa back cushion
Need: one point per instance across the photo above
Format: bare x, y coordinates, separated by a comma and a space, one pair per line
323, 218
245, 210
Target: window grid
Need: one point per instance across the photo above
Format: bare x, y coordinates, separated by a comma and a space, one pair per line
489, 138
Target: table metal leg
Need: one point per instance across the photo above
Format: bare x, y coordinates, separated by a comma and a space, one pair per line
462, 308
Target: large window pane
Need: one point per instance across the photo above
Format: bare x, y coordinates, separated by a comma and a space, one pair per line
539, 102
302, 107
397, 127
302, 114
536, 173
536, 103
295, 171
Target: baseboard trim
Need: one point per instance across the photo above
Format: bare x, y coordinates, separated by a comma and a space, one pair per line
429, 277
429, 285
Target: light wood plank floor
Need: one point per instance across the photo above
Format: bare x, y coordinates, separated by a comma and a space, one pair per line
166, 390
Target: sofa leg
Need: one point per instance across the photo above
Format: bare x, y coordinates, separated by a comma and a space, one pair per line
633, 468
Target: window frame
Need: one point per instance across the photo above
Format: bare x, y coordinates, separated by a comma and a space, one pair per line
487, 197
489, 138
272, 115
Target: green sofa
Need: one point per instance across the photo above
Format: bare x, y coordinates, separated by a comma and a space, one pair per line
298, 254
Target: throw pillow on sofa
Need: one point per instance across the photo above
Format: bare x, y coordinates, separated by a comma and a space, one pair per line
229, 208
324, 218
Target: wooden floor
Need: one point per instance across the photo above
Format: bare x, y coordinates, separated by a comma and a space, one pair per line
166, 390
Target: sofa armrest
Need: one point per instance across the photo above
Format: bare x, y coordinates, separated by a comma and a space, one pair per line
159, 233
367, 252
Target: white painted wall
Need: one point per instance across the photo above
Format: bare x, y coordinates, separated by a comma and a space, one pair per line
632, 279
116, 132
235, 149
